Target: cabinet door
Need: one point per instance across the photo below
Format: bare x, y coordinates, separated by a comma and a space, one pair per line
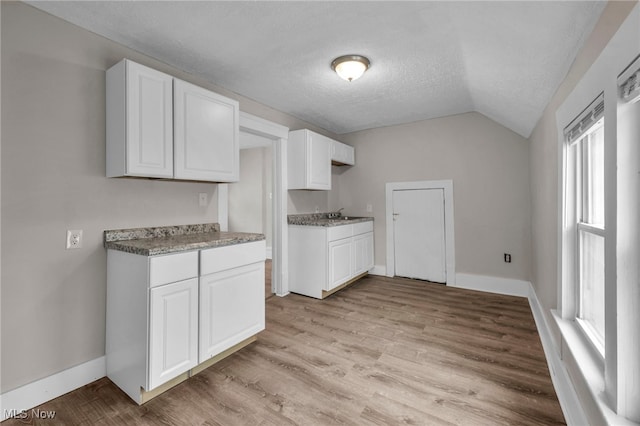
363, 253
318, 161
340, 263
342, 154
149, 122
231, 308
206, 135
173, 331
348, 155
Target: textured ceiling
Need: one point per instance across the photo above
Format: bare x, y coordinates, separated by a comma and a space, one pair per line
428, 59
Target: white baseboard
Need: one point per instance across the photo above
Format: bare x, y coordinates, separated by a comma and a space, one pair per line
567, 396
378, 270
43, 390
269, 253
507, 286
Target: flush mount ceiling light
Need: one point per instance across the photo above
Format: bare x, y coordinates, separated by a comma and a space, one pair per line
350, 67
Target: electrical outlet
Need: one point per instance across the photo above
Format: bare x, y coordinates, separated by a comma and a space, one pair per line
317, 209
507, 258
74, 239
202, 199
369, 208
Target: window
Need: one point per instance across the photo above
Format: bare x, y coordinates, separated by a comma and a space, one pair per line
585, 192
590, 236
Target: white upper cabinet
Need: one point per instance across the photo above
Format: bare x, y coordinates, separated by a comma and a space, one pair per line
139, 121
342, 154
309, 160
162, 127
206, 134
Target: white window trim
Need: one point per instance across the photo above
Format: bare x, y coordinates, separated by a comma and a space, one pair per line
575, 168
570, 254
615, 388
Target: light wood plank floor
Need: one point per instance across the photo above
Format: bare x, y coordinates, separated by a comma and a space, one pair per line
382, 352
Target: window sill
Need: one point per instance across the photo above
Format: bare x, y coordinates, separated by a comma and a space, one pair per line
590, 366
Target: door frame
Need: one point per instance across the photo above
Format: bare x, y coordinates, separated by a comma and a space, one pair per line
280, 245
449, 236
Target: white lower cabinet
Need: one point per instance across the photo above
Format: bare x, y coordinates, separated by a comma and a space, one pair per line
173, 334
340, 263
322, 259
362, 253
168, 314
231, 308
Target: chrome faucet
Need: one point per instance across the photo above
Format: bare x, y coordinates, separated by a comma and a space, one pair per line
336, 213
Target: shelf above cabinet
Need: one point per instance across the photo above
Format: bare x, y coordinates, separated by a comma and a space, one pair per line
342, 154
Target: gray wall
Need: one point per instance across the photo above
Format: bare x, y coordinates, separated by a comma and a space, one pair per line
489, 167
250, 207
53, 179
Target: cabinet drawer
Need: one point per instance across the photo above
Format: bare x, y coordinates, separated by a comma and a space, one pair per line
172, 268
339, 232
362, 227
228, 257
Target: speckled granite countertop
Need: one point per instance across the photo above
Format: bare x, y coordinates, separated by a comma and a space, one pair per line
172, 239
324, 219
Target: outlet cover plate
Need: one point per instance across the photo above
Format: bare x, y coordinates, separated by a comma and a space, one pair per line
74, 239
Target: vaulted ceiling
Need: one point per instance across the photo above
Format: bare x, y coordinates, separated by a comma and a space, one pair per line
428, 59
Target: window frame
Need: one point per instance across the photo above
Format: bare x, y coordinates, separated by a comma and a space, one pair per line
575, 195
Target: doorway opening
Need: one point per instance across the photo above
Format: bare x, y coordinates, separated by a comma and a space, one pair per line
251, 199
256, 132
420, 231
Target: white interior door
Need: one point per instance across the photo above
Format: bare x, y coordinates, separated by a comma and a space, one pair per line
419, 234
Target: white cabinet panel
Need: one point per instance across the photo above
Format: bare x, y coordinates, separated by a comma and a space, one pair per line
173, 334
162, 127
340, 269
362, 253
342, 154
206, 134
362, 227
139, 121
223, 258
231, 308
172, 268
309, 160
319, 161
339, 232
